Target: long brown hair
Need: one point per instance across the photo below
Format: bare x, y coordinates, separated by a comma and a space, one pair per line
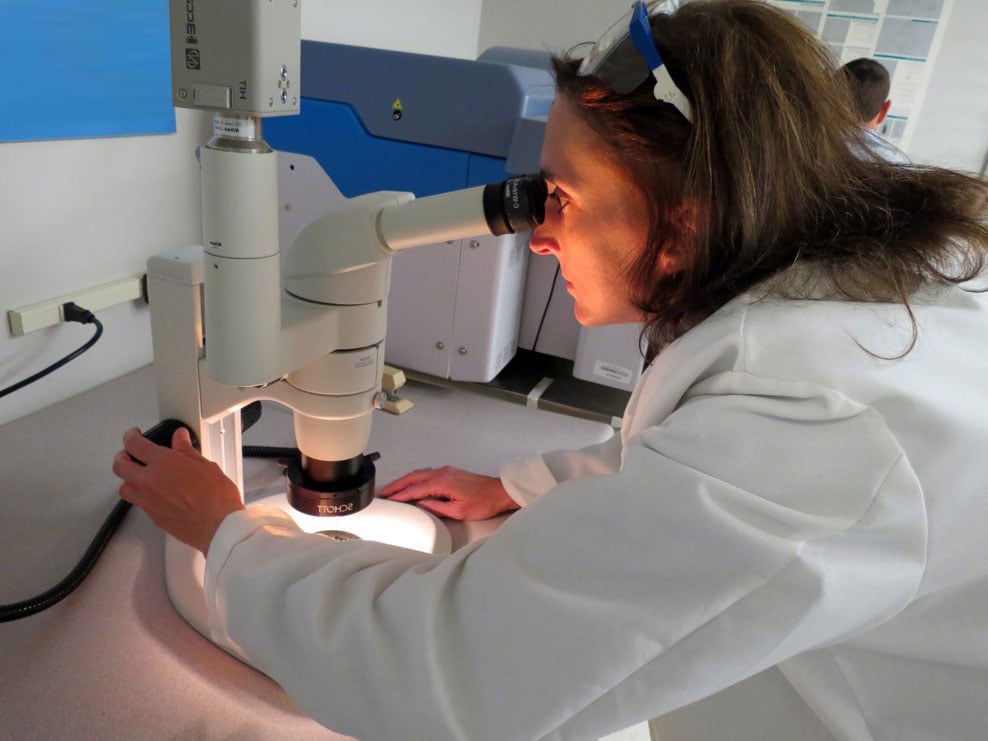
776, 170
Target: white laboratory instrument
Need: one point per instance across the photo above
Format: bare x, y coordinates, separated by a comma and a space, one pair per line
233, 321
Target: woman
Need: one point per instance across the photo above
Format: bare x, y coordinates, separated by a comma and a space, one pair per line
799, 480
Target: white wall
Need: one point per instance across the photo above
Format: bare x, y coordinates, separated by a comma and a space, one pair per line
555, 25
76, 214
441, 27
952, 126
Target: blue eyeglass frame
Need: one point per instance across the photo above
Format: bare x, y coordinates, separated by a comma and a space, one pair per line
640, 31
641, 36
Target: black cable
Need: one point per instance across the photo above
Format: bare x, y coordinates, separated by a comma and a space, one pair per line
60, 591
160, 434
64, 588
546, 309
285, 455
70, 313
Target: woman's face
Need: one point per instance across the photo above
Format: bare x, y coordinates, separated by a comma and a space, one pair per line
596, 219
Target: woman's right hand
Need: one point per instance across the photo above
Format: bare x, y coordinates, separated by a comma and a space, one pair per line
451, 492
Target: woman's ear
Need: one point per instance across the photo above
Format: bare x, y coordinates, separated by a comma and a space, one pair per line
685, 220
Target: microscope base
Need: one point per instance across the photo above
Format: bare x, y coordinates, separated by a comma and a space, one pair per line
382, 520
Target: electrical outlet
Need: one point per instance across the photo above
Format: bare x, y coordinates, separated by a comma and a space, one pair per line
49, 313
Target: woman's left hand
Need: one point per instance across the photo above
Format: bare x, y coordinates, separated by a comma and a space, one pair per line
451, 492
181, 491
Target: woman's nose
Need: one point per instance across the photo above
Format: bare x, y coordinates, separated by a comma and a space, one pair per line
541, 243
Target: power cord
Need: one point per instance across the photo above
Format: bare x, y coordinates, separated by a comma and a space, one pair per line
160, 434
64, 588
545, 311
71, 312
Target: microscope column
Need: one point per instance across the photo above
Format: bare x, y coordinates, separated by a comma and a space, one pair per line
242, 263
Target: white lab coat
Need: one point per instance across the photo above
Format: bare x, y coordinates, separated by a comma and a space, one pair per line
885, 149
777, 496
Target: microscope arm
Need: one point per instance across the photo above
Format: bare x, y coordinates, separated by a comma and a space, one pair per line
342, 260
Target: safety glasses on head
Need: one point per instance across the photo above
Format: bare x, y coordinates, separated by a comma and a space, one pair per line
626, 54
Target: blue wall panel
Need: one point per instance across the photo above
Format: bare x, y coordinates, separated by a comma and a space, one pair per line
84, 68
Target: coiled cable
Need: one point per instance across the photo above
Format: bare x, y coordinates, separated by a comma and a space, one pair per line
64, 588
160, 434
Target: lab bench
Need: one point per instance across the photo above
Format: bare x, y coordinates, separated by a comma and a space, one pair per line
113, 659
544, 382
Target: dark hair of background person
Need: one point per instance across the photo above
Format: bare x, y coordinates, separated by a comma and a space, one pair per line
769, 175
869, 83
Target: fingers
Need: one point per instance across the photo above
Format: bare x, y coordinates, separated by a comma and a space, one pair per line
130, 464
129, 493
392, 490
132, 474
182, 440
442, 508
125, 467
182, 443
140, 448
432, 485
415, 494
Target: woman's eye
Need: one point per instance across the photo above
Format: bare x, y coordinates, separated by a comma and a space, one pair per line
559, 202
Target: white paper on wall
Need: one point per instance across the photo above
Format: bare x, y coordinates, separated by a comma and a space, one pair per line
904, 35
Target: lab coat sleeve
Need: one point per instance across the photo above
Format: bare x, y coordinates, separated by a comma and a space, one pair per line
758, 521
528, 478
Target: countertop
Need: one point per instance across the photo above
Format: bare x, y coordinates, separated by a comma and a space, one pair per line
113, 659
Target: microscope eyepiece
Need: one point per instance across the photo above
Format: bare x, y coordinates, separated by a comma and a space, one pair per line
515, 205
